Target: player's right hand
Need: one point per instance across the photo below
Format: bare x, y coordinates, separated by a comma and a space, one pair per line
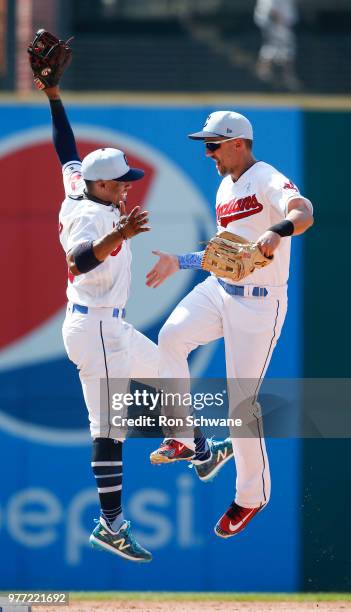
132, 224
268, 243
166, 266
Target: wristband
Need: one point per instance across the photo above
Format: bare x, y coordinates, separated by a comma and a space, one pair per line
190, 261
84, 257
284, 228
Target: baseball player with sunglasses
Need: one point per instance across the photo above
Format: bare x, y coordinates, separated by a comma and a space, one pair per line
261, 205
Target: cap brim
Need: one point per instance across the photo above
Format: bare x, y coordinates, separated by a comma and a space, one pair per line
133, 174
204, 134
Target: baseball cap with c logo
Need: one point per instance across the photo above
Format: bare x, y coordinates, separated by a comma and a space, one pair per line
109, 164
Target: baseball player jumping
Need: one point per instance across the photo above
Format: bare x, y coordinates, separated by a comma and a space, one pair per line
261, 205
95, 234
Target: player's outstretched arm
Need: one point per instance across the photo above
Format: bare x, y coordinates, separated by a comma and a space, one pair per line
49, 57
62, 133
168, 264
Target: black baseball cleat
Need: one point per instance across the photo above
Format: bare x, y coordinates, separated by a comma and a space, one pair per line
235, 520
221, 452
170, 451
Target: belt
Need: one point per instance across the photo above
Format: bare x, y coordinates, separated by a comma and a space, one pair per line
116, 312
243, 290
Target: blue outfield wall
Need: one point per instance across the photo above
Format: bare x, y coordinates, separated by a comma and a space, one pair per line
48, 499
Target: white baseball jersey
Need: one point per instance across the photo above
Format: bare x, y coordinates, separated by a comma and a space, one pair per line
84, 220
249, 206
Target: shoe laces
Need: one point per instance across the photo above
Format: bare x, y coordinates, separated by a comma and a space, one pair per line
215, 443
125, 527
171, 443
97, 521
167, 442
130, 536
235, 511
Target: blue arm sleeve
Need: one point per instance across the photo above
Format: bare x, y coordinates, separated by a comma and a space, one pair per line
62, 134
191, 260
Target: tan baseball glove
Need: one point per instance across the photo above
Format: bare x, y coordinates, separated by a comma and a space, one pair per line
230, 256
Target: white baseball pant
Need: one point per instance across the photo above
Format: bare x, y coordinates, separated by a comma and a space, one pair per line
104, 347
251, 327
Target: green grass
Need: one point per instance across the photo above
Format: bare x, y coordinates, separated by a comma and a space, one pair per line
167, 596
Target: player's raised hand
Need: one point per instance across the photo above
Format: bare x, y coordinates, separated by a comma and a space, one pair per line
48, 57
166, 266
268, 242
134, 223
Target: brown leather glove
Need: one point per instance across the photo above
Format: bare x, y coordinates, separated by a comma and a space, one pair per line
49, 58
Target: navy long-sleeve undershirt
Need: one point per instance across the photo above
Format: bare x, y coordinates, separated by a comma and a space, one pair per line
62, 134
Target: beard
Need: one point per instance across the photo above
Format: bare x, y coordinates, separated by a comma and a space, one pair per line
222, 170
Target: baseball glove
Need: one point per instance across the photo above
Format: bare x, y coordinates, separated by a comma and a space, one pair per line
230, 256
49, 58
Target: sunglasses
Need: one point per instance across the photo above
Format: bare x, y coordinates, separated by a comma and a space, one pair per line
215, 144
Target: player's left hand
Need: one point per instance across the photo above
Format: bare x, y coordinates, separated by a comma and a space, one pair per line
268, 243
49, 57
166, 266
132, 224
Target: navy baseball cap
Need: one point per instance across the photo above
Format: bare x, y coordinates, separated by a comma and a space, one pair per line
227, 124
109, 165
